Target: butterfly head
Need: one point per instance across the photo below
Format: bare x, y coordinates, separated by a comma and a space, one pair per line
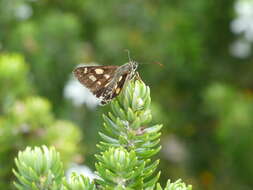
134, 65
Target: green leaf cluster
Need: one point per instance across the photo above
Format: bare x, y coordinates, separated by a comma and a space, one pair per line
177, 185
79, 182
119, 169
42, 169
39, 168
127, 126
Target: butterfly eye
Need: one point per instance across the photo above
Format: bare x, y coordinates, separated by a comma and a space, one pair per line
134, 65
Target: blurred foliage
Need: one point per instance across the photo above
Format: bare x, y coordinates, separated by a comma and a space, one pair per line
28, 120
13, 79
233, 110
203, 94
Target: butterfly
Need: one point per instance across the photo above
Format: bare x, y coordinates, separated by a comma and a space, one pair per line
106, 82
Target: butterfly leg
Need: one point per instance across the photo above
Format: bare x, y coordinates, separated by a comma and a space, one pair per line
137, 77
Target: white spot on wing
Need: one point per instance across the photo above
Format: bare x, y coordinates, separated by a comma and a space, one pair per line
91, 77
117, 90
99, 71
107, 76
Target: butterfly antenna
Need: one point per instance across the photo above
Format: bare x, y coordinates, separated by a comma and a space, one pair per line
156, 63
128, 54
130, 60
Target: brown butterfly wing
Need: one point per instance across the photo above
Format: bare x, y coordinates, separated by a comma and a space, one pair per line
109, 94
95, 78
117, 89
102, 81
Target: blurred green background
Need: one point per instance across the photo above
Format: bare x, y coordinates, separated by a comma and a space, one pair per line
203, 95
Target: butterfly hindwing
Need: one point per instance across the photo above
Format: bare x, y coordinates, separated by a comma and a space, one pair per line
119, 85
113, 90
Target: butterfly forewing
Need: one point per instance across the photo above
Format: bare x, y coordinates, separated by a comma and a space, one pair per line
95, 77
105, 82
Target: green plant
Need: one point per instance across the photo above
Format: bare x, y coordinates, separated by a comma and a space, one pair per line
125, 161
28, 120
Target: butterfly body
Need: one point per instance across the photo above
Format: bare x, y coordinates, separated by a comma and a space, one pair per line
106, 82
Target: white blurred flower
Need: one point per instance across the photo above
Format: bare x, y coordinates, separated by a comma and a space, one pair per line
79, 95
240, 49
242, 25
23, 12
80, 169
173, 149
